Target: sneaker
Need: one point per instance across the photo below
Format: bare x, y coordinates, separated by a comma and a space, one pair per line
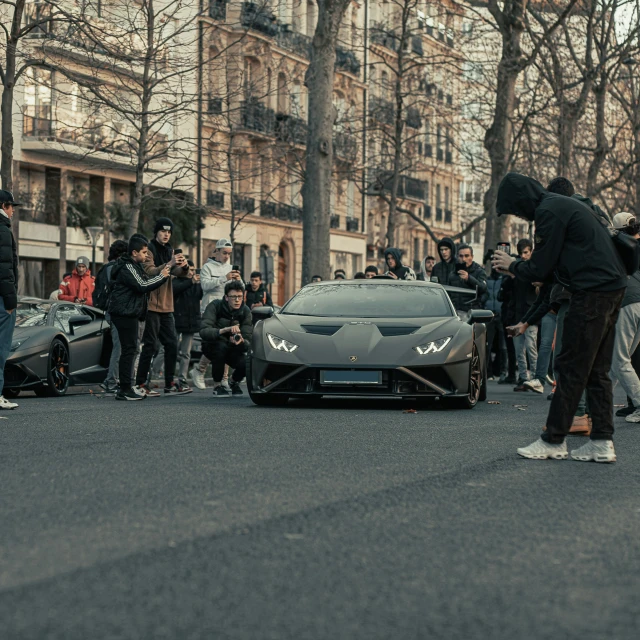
550, 396
235, 389
110, 391
177, 389
534, 385
541, 450
198, 378
5, 404
580, 426
148, 392
549, 379
521, 386
625, 411
140, 391
596, 450
633, 417
129, 395
221, 392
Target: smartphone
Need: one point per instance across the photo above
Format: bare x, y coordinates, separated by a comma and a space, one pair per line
177, 251
235, 267
461, 267
198, 272
504, 246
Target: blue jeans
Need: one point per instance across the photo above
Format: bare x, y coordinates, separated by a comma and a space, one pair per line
7, 323
525, 346
547, 332
112, 376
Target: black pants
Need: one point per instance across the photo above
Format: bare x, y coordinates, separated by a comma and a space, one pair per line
511, 350
128, 334
159, 327
584, 362
222, 352
493, 334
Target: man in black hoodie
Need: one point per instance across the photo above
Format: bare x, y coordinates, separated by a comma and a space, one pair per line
446, 268
567, 231
395, 268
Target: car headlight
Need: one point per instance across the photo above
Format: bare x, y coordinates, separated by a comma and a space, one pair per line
433, 347
16, 343
279, 344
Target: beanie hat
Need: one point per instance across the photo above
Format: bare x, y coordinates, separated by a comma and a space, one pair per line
83, 260
163, 224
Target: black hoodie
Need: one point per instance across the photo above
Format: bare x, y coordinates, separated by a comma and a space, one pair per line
444, 271
570, 241
402, 272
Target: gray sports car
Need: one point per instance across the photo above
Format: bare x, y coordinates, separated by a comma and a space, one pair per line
376, 337
56, 344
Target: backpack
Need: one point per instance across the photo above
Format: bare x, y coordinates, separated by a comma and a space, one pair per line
103, 287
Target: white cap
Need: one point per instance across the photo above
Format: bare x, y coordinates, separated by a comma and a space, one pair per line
622, 220
223, 242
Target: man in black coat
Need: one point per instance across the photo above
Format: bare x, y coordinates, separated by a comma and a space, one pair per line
468, 275
572, 243
8, 286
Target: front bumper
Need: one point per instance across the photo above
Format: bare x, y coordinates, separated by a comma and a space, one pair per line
439, 381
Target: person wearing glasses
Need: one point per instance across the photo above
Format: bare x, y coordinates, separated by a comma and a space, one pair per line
226, 332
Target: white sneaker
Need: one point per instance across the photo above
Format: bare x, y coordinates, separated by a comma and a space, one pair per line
139, 391
633, 417
534, 385
5, 404
198, 378
541, 450
596, 450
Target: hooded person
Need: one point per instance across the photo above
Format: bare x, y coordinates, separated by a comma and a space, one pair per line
426, 268
572, 243
395, 268
446, 268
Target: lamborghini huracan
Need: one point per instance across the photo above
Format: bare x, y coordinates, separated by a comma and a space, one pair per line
376, 338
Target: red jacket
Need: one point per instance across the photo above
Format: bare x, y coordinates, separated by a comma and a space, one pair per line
74, 286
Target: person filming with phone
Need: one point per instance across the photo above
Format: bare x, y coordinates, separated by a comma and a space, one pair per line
226, 332
467, 275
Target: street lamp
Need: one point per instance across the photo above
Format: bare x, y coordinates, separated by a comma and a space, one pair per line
94, 233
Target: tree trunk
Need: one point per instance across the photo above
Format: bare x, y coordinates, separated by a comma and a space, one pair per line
8, 86
316, 190
602, 145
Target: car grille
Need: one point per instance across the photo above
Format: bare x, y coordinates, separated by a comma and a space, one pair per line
321, 329
389, 332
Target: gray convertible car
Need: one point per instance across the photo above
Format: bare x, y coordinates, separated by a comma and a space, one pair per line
377, 337
56, 344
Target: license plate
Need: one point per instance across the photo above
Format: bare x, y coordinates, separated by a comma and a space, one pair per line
350, 377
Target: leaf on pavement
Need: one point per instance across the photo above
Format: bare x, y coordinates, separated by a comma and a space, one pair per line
409, 411
520, 406
493, 402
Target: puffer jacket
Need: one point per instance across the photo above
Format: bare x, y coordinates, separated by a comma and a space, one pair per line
161, 300
218, 315
186, 301
8, 265
74, 286
494, 285
131, 288
444, 271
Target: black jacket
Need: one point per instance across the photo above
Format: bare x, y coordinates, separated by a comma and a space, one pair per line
508, 297
186, 305
131, 288
442, 270
525, 296
8, 265
570, 240
218, 315
540, 307
261, 296
477, 280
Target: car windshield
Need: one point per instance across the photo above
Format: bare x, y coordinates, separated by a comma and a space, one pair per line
31, 314
369, 301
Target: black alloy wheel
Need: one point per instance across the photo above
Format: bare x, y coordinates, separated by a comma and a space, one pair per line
57, 370
263, 399
475, 382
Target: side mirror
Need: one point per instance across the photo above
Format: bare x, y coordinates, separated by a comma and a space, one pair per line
262, 313
480, 315
78, 321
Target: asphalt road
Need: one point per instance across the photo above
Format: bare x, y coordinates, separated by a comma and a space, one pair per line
198, 518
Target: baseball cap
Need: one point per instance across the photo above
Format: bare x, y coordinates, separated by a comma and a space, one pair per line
83, 260
6, 197
622, 220
222, 243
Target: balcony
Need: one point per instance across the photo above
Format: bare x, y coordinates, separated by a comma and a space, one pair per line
413, 119
438, 214
352, 225
257, 117
297, 43
408, 187
289, 213
214, 106
379, 34
347, 61
448, 216
267, 209
215, 199
334, 222
345, 146
218, 9
258, 18
290, 129
382, 110
243, 204
416, 46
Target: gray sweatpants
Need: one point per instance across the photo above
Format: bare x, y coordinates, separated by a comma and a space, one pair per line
627, 339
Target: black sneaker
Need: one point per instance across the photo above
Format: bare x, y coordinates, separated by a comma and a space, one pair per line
110, 391
221, 392
625, 411
520, 386
177, 389
235, 389
129, 395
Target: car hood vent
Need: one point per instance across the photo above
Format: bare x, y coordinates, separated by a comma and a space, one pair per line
390, 331
321, 329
